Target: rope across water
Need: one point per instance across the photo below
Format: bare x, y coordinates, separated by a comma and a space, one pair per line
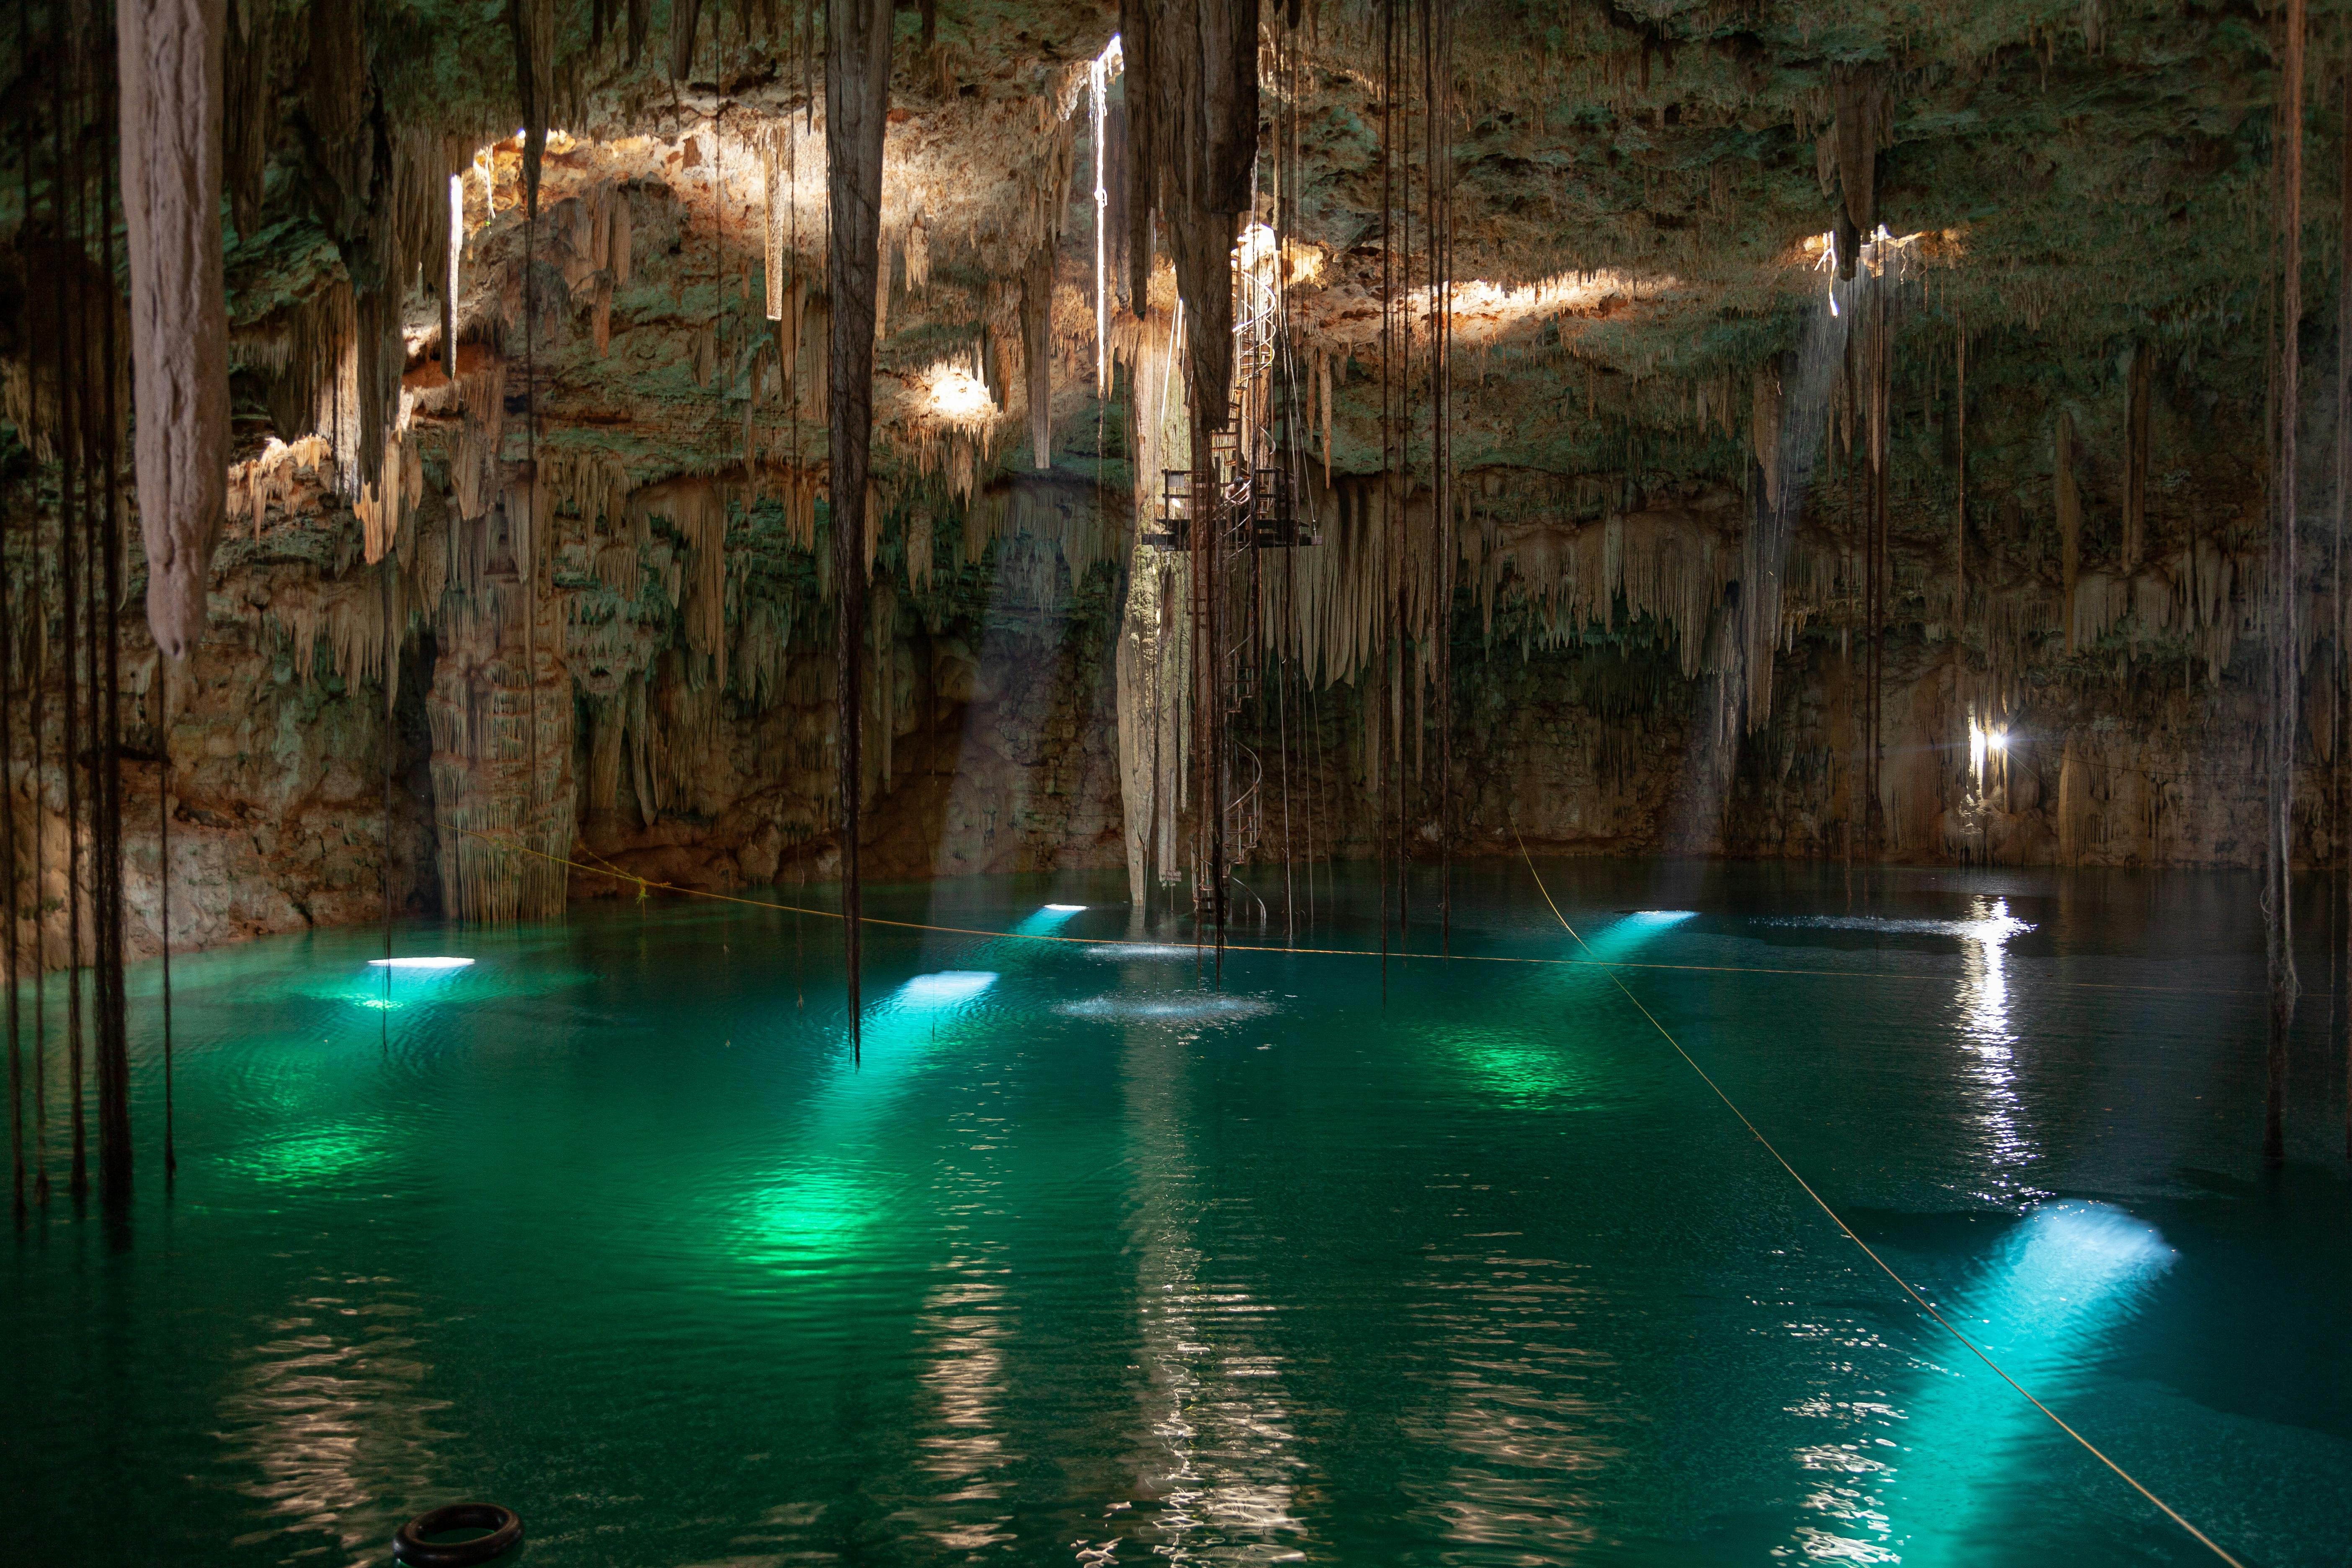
1902, 1284
645, 885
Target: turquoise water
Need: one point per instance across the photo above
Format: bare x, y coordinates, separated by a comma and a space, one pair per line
1091, 1261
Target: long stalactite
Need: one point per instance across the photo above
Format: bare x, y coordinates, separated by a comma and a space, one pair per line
858, 106
170, 54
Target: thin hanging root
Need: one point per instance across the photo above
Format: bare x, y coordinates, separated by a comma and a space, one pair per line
2282, 591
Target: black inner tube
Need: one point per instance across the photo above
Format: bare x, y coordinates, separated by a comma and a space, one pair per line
410, 1545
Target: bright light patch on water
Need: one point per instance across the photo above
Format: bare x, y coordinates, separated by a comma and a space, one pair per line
946, 988
1065, 909
2071, 1269
1518, 1069
1997, 927
428, 963
805, 1223
1119, 952
2046, 1305
1617, 941
1169, 1009
330, 1153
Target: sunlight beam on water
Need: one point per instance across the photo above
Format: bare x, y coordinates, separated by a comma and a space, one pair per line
2045, 1306
814, 1213
947, 988
1622, 937
1546, 1068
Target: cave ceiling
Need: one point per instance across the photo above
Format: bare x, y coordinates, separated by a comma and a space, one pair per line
1641, 194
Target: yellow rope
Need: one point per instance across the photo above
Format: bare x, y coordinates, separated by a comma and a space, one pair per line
644, 885
1944, 1322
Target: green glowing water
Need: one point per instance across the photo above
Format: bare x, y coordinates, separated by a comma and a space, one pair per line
1093, 1261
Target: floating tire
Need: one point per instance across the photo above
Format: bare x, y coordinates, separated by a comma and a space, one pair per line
411, 1547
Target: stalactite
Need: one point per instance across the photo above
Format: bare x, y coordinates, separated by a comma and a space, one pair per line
1764, 430
774, 214
915, 251
2135, 456
382, 506
456, 224
1098, 75
620, 236
1863, 125
250, 106
171, 63
2070, 527
1192, 121
1036, 350
1135, 33
857, 101
685, 21
532, 23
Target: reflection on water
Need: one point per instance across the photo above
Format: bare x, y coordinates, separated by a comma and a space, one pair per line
1175, 1007
961, 1330
1989, 1046
1991, 923
1224, 1488
1091, 1260
1516, 1404
325, 1413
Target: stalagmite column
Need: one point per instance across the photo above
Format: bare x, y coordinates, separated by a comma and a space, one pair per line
857, 103
169, 55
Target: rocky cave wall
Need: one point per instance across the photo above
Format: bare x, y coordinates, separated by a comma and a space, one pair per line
602, 486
